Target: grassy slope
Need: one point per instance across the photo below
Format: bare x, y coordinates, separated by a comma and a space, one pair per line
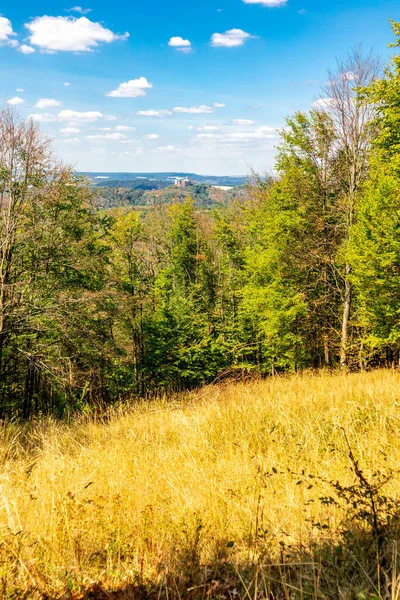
160, 492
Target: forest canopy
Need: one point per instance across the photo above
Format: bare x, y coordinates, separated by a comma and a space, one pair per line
302, 271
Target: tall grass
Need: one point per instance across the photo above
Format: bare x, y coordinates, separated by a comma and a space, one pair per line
206, 496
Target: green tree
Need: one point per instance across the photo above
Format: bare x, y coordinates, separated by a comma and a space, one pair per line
375, 240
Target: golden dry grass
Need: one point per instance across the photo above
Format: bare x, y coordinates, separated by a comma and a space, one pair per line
163, 491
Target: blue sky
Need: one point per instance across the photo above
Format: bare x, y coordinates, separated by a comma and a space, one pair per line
177, 86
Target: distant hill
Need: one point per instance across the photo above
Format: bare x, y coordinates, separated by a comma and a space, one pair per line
158, 180
205, 196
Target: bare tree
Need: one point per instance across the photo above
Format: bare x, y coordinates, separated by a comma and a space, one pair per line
352, 119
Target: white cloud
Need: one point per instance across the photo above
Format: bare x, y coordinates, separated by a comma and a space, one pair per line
44, 103
205, 128
268, 129
194, 110
6, 32
15, 101
72, 116
251, 135
270, 3
25, 49
261, 133
67, 83
107, 136
20, 90
70, 130
230, 39
136, 152
218, 105
71, 140
131, 89
89, 116
69, 34
178, 41
154, 113
80, 10
151, 136
42, 117
322, 104
168, 148
180, 44
243, 122
125, 128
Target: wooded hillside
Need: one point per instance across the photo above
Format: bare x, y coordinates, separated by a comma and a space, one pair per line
303, 271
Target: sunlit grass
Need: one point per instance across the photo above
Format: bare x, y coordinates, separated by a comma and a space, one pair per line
167, 489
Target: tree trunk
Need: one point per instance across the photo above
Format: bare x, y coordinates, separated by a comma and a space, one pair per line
345, 319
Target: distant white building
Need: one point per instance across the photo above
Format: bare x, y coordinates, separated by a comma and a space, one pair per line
183, 182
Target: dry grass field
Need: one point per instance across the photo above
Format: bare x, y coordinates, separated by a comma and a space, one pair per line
242, 490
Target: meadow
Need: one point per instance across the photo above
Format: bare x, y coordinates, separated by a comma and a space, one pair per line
277, 488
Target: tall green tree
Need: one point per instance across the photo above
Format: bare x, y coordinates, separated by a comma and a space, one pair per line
53, 343
375, 240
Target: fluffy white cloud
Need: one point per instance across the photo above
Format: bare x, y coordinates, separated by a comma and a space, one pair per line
71, 115
243, 122
180, 44
70, 130
6, 32
131, 89
89, 116
67, 83
125, 128
177, 42
25, 49
15, 101
194, 110
69, 34
107, 136
270, 3
154, 113
151, 136
71, 140
20, 90
218, 105
44, 103
230, 39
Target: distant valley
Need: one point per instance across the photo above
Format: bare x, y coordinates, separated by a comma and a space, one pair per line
148, 189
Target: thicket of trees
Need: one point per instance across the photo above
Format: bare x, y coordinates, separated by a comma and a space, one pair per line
97, 306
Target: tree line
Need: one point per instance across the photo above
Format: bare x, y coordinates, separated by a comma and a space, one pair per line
302, 272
